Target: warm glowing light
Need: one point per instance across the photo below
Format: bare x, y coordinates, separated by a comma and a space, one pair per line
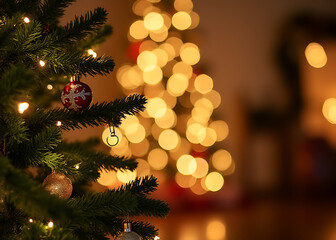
168, 120
126, 176
23, 107
184, 181
166, 19
185, 69
214, 181
203, 83
181, 20
147, 61
198, 189
42, 63
159, 35
58, 123
183, 5
153, 77
77, 166
316, 55
136, 133
157, 159
156, 107
214, 97
49, 87
140, 149
186, 164
329, 110
176, 43
153, 91
183, 148
148, 45
215, 230
190, 54
169, 99
210, 137
26, 20
196, 133
92, 53
153, 21
195, 19
221, 160
140, 7
31, 220
162, 57
130, 77
201, 169
169, 139
106, 178
50, 224
177, 84
169, 49
156, 238
143, 168
221, 128
137, 30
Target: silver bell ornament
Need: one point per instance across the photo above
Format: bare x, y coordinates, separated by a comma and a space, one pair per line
58, 184
128, 234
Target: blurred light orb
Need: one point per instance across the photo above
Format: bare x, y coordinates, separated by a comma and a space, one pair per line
196, 133
143, 168
210, 137
329, 110
184, 181
159, 35
195, 19
147, 61
139, 7
162, 57
42, 63
147, 45
136, 134
185, 69
221, 160
169, 139
106, 178
140, 149
169, 49
214, 97
183, 148
221, 128
177, 84
181, 20
156, 107
201, 169
23, 107
315, 55
168, 120
153, 21
186, 164
203, 83
126, 176
176, 43
157, 159
153, 76
26, 20
214, 181
190, 53
215, 230
183, 5
138, 31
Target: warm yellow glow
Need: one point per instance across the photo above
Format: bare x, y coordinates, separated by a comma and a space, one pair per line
156, 131
140, 7
215, 230
42, 63
137, 30
122, 148
153, 76
201, 169
183, 5
31, 220
143, 168
130, 77
183, 148
58, 123
210, 137
200, 115
195, 19
26, 20
50, 87
107, 178
203, 83
169, 139
185, 69
162, 57
50, 224
153, 21
196, 133
140, 149
156, 238
77, 166
92, 53
153, 91
177, 84
189, 231
181, 20
221, 160
147, 61
190, 54
169, 99
126, 176
186, 164
169, 49
148, 45
156, 107
166, 19
168, 120
198, 189
184, 181
159, 35
130, 119
329, 110
214, 181
135, 133
214, 97
315, 55
157, 159
176, 43
204, 103
23, 107
221, 128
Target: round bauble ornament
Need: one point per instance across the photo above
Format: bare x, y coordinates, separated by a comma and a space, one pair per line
128, 234
58, 184
76, 95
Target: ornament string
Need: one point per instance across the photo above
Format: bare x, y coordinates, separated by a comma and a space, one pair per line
113, 139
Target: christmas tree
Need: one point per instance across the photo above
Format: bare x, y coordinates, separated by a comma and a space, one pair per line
44, 181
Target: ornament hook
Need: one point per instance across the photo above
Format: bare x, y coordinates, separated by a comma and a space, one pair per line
113, 139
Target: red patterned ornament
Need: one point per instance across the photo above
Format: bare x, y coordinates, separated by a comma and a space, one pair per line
76, 95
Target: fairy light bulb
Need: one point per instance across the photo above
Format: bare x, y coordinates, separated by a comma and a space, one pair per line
92, 53
50, 224
31, 220
42, 63
59, 123
26, 20
23, 107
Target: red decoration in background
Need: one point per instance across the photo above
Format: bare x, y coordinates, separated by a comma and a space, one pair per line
76, 96
133, 51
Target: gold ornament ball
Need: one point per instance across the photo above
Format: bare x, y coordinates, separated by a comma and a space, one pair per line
128, 234
58, 184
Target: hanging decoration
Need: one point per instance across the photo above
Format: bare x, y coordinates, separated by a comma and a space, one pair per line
58, 184
128, 234
113, 139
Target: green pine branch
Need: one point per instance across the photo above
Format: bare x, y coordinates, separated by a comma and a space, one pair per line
144, 185
97, 37
51, 10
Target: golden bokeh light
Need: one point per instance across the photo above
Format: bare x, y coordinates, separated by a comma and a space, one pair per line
169, 139
153, 91
162, 56
214, 97
156, 107
169, 49
181, 20
166, 19
137, 30
210, 137
148, 45
329, 110
203, 83
184, 181
198, 189
107, 178
153, 21
130, 77
183, 148
196, 133
315, 55
221, 160
168, 120
201, 169
176, 43
157, 159
135, 133
190, 54
131, 119
126, 176
153, 76
183, 5
139, 7
177, 84
221, 128
140, 149
159, 35
195, 19
200, 115
214, 181
215, 230
143, 168
169, 99
204, 103
26, 20
186, 164
185, 69
23, 107
147, 61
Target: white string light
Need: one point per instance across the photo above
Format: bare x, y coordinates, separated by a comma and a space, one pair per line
26, 20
